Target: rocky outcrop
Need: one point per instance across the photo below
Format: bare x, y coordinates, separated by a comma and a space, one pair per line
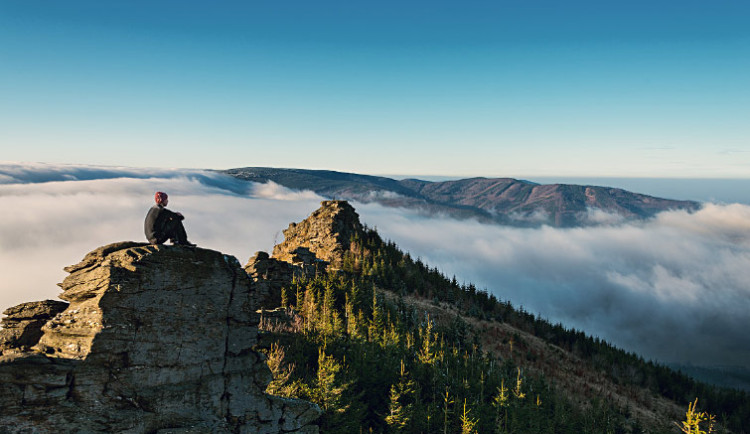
327, 233
159, 338
155, 339
269, 275
22, 326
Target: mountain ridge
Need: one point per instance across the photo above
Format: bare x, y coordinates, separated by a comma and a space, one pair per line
506, 201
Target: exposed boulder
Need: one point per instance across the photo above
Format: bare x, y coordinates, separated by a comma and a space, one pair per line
156, 339
327, 233
22, 326
269, 275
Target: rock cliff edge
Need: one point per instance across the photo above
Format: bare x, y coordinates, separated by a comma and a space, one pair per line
154, 339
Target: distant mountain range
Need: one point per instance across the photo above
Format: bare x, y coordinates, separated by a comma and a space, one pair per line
499, 200
730, 377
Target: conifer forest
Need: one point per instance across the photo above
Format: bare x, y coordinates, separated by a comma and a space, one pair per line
355, 342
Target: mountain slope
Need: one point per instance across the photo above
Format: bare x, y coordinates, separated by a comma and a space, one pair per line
380, 308
500, 200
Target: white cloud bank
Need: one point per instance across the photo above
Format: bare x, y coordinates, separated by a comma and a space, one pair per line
47, 225
676, 288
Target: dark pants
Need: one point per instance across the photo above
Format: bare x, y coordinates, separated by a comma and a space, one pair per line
174, 230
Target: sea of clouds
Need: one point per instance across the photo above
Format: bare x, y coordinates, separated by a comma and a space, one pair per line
675, 288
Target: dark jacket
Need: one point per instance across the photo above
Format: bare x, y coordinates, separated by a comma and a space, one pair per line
156, 223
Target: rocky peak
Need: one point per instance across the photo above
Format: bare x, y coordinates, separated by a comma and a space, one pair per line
327, 233
155, 339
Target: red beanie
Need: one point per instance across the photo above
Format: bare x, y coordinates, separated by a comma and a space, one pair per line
160, 196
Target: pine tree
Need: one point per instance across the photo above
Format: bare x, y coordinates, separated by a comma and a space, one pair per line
355, 294
376, 328
284, 298
501, 403
694, 419
467, 423
337, 326
447, 401
519, 382
298, 294
352, 325
427, 351
392, 335
361, 322
309, 310
399, 405
327, 388
327, 311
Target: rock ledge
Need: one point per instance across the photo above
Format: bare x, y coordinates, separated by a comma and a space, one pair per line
155, 339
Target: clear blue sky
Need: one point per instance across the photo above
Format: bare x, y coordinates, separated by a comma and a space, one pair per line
492, 88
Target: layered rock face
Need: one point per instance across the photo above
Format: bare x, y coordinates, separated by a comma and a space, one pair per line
327, 232
155, 339
22, 326
269, 275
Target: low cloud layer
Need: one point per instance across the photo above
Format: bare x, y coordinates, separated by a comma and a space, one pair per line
45, 226
675, 288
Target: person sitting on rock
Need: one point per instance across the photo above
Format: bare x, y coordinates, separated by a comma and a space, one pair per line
162, 224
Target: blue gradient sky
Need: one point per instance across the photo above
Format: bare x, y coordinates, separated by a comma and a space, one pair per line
491, 88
